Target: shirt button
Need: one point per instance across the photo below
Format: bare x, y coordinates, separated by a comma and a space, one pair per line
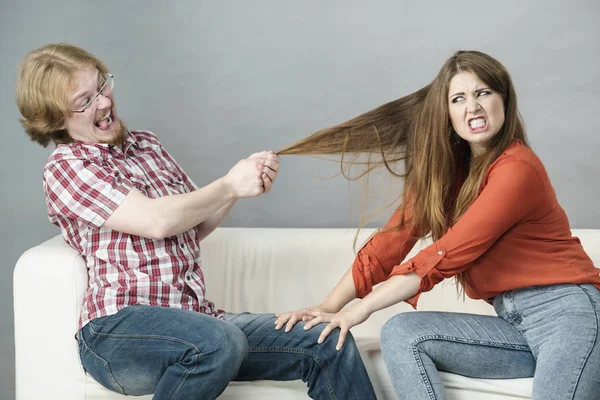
440, 253
189, 278
182, 245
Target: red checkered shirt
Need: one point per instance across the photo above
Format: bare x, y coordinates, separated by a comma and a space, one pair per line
84, 184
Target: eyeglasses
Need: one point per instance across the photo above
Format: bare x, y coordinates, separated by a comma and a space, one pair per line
105, 90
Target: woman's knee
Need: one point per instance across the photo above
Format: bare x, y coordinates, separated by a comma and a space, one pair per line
401, 328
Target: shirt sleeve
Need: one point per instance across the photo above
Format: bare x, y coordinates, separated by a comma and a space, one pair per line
84, 190
386, 249
513, 193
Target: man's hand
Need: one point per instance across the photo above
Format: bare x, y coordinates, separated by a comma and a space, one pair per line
244, 179
254, 175
268, 164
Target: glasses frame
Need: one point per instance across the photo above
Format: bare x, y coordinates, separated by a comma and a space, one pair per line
109, 78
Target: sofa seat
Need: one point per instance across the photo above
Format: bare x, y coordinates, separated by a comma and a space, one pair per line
246, 269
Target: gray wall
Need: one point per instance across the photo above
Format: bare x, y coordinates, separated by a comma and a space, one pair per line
217, 80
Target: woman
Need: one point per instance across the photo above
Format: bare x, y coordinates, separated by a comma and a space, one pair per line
473, 183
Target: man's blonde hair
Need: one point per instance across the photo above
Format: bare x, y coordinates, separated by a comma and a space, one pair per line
45, 83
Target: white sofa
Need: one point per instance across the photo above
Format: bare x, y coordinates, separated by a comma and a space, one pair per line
247, 269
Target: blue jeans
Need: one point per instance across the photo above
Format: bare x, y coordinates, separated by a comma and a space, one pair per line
550, 333
180, 354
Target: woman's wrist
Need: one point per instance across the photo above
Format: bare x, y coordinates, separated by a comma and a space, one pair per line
331, 306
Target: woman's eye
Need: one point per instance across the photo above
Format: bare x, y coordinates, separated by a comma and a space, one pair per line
457, 99
484, 93
85, 102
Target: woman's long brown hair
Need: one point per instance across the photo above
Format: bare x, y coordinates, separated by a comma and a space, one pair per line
441, 176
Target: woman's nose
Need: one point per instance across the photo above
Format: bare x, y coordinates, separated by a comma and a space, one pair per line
473, 105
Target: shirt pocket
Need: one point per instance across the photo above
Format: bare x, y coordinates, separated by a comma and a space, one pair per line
170, 182
140, 185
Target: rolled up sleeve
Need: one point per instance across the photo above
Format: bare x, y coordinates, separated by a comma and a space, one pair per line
388, 247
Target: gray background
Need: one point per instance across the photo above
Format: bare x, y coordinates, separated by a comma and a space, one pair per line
219, 80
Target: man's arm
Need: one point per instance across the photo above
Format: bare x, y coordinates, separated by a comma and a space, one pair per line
172, 215
207, 226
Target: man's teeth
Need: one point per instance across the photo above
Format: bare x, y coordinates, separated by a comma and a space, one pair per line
106, 117
477, 123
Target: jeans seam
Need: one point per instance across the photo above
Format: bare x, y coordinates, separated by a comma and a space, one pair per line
591, 347
105, 363
155, 337
303, 352
182, 382
421, 367
422, 339
513, 346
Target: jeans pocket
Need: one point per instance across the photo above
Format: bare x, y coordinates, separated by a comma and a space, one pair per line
98, 368
96, 325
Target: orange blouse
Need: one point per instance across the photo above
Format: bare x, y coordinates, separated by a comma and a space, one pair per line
514, 235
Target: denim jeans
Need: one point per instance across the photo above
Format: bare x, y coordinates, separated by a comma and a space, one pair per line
550, 333
180, 354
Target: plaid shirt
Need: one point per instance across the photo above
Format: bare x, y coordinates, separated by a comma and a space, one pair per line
84, 184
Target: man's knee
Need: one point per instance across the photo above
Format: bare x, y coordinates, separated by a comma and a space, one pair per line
218, 344
327, 350
231, 346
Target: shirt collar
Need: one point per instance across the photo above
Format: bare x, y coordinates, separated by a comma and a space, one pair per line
105, 149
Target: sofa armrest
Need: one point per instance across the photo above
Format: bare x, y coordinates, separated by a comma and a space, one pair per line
49, 283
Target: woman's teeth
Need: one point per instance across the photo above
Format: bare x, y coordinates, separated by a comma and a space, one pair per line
477, 123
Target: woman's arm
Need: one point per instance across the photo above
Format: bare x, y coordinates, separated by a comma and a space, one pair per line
372, 265
394, 290
341, 295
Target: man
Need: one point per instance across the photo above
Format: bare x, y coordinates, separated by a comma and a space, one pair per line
137, 219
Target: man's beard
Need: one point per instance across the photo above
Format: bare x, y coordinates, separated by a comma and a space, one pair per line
120, 136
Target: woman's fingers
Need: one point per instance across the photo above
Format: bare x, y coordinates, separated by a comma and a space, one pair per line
341, 338
314, 321
281, 320
325, 332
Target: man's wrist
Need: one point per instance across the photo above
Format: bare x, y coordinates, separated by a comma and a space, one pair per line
227, 188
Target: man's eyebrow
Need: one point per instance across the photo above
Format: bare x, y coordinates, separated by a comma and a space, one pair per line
78, 96
87, 91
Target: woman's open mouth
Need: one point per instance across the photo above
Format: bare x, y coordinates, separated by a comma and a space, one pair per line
478, 124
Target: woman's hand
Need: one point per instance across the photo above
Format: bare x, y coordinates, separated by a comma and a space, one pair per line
344, 319
289, 319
